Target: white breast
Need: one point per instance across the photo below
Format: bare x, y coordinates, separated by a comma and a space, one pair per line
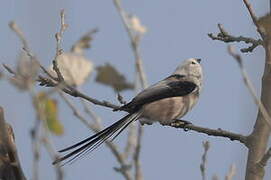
167, 110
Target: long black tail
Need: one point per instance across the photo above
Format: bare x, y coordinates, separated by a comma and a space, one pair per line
91, 143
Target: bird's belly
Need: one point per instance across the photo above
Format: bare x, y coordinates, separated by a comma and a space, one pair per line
167, 110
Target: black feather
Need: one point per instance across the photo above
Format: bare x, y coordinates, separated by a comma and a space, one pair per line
91, 143
178, 85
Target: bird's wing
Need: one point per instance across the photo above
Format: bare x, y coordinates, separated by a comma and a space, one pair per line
173, 86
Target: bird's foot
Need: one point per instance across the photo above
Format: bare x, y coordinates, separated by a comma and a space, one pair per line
181, 123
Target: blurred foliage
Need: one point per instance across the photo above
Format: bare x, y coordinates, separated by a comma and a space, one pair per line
84, 42
48, 110
26, 72
108, 75
75, 68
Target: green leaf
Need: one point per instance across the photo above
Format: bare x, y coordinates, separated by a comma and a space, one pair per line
108, 75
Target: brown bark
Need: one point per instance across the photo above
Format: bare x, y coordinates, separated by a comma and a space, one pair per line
257, 141
10, 168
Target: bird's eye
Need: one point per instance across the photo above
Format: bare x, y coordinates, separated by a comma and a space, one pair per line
193, 62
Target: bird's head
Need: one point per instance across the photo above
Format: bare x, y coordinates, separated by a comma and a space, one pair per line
190, 68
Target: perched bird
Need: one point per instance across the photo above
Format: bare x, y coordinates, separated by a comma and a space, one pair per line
162, 102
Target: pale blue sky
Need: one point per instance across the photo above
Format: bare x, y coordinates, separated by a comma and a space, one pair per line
177, 30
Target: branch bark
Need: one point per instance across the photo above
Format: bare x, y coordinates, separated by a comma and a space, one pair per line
10, 168
259, 137
211, 132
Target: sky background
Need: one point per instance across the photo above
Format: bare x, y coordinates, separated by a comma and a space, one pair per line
176, 30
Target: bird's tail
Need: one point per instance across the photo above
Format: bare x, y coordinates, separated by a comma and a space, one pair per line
91, 143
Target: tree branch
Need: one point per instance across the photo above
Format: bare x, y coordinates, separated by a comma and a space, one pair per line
206, 147
75, 93
224, 36
249, 85
59, 51
231, 173
211, 132
134, 43
257, 140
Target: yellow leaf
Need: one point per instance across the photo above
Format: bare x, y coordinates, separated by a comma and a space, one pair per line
49, 110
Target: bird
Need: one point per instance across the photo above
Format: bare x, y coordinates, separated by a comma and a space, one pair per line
163, 102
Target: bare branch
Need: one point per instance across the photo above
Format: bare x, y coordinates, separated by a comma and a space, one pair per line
249, 85
58, 37
48, 145
75, 93
131, 140
134, 43
9, 69
13, 26
138, 170
97, 119
224, 36
231, 173
215, 177
211, 132
254, 19
206, 146
34, 134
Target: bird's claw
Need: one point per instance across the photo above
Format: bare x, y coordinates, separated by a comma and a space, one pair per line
181, 123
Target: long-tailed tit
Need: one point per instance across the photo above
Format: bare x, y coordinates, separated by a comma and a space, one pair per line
162, 102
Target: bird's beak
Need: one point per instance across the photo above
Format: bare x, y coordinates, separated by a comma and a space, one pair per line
198, 60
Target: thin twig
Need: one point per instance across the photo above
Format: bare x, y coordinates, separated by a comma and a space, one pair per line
231, 173
11, 71
138, 172
13, 26
131, 140
224, 36
76, 93
48, 145
58, 37
26, 48
34, 134
249, 85
134, 43
97, 119
206, 147
215, 177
